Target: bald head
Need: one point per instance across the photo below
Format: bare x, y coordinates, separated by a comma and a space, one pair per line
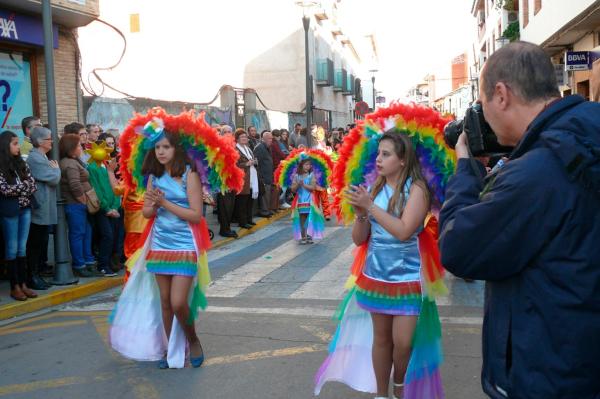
523, 67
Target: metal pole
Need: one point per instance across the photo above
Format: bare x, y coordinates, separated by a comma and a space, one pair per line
63, 274
373, 81
306, 24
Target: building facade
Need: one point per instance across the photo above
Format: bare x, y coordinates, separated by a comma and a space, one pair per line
494, 20
236, 55
562, 28
569, 32
22, 64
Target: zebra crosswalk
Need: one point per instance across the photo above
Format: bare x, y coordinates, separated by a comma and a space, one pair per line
272, 265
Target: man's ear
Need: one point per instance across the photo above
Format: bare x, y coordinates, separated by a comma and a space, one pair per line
502, 95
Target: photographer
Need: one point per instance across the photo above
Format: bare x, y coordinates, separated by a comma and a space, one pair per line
532, 231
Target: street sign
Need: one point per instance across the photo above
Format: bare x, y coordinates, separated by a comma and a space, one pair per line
577, 60
380, 100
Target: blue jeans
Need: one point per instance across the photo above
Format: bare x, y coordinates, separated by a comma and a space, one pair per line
15, 230
80, 235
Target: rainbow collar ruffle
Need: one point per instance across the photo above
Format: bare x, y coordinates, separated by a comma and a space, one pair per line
356, 163
214, 157
321, 163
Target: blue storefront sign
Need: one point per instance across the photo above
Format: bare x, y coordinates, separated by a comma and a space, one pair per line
19, 28
579, 60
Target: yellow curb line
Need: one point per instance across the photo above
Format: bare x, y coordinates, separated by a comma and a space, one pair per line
79, 291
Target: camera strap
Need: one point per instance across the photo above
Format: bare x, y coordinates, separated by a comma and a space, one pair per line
475, 167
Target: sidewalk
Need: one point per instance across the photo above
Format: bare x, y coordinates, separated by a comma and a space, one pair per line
57, 295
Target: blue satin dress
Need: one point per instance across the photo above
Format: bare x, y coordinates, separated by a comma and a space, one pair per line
172, 250
304, 196
391, 279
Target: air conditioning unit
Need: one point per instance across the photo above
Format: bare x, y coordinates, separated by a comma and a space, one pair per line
512, 16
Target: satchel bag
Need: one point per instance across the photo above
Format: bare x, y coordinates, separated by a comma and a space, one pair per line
92, 202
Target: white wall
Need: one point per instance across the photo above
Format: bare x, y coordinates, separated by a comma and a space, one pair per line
553, 16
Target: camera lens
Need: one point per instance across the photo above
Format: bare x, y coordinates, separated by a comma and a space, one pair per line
452, 131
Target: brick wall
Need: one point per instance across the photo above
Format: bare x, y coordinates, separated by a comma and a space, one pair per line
65, 77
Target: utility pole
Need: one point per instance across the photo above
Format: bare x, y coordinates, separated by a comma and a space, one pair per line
63, 274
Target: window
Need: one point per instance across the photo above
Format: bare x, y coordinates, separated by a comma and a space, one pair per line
324, 72
338, 83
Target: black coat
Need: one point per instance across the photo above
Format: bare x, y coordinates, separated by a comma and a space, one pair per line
265, 163
535, 238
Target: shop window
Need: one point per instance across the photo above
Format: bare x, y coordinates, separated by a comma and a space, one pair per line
16, 94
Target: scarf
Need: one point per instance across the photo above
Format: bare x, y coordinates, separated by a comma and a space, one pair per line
253, 175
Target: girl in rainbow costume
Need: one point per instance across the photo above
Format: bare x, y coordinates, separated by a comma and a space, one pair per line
389, 327
306, 172
172, 159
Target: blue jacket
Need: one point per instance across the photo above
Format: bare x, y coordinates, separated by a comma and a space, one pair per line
534, 236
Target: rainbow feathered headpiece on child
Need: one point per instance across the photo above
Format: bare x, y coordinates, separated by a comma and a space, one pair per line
356, 163
214, 157
321, 163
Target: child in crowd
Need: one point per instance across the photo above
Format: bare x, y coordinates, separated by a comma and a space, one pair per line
306, 213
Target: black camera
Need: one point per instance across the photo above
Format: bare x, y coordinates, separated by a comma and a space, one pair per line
481, 137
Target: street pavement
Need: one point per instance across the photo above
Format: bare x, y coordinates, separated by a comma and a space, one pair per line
265, 332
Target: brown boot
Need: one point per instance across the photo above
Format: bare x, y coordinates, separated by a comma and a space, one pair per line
17, 294
28, 292
15, 288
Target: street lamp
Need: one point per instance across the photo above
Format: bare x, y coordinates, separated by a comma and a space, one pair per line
373, 71
305, 4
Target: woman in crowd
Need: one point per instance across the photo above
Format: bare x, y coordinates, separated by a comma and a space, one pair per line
284, 145
16, 188
47, 176
112, 168
244, 201
75, 185
278, 156
107, 218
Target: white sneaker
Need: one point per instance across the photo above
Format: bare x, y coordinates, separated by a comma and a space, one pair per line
285, 205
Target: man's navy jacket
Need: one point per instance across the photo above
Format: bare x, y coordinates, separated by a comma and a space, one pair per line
534, 236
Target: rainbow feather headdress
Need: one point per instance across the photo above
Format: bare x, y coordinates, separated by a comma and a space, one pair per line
321, 163
215, 157
356, 163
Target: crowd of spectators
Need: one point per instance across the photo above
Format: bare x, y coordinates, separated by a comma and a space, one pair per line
28, 195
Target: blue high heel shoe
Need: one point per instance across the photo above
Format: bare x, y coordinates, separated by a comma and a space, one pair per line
162, 364
197, 361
